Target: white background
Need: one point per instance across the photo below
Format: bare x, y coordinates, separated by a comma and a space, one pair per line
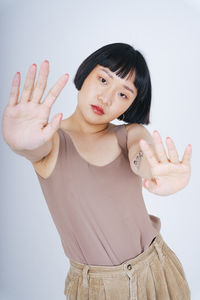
33, 264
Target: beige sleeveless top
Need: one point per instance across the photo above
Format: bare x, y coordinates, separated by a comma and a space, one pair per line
99, 211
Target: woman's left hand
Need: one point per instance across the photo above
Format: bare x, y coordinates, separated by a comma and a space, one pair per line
169, 175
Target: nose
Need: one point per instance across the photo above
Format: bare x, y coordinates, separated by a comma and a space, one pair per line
105, 97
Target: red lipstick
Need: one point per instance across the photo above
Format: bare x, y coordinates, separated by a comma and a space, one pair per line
97, 109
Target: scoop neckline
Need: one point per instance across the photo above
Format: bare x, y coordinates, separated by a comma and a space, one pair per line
90, 164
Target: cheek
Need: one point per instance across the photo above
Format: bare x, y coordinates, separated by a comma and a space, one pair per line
121, 107
118, 107
89, 89
85, 97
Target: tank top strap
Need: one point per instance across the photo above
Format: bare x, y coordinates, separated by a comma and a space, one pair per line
121, 134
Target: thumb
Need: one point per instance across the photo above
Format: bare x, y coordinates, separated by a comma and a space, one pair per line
150, 185
147, 184
53, 126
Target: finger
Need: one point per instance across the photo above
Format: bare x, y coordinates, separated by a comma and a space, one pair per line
172, 152
41, 82
53, 125
55, 90
150, 185
29, 84
148, 153
14, 92
187, 155
159, 147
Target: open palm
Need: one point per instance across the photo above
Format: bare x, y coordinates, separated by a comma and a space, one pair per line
169, 175
25, 122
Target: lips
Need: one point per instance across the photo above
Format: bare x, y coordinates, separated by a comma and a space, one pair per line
99, 109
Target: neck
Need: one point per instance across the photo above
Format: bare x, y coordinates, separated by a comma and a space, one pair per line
80, 124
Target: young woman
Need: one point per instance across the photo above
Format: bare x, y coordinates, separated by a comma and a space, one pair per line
92, 172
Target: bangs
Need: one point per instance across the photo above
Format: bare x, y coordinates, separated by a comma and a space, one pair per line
120, 62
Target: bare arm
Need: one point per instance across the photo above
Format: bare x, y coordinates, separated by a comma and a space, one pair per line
138, 162
37, 154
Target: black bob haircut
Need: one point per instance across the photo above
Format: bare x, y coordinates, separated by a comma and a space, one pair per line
125, 59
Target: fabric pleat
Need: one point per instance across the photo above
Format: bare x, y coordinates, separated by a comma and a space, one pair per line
175, 276
150, 285
112, 290
159, 279
97, 290
144, 280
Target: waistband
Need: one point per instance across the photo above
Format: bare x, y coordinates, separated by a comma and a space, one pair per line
127, 268
131, 264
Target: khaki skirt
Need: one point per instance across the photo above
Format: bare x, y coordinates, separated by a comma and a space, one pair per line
155, 274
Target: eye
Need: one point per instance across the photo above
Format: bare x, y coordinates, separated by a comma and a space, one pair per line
124, 95
102, 78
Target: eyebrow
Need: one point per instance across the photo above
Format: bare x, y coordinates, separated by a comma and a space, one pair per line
111, 76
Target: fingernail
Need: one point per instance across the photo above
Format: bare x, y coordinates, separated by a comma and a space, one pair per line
16, 78
33, 67
46, 61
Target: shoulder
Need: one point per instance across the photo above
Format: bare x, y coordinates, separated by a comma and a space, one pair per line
134, 126
135, 132
133, 129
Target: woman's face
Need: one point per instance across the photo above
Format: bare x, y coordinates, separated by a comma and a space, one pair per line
105, 89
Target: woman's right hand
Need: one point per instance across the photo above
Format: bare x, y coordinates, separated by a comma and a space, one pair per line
25, 123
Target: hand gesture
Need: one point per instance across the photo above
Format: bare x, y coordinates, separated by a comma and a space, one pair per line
169, 175
25, 123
